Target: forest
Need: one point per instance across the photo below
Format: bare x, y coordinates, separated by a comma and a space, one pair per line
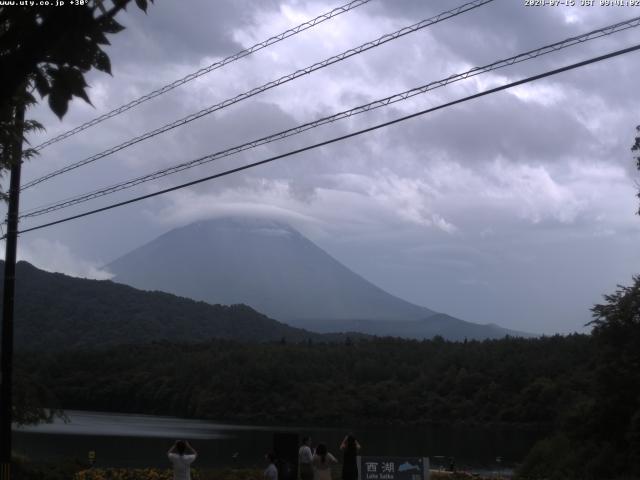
385, 380
582, 390
56, 312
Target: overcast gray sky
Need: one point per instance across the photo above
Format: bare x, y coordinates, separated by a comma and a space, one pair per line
516, 208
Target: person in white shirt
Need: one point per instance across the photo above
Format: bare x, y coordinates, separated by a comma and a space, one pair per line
305, 459
182, 455
271, 472
322, 462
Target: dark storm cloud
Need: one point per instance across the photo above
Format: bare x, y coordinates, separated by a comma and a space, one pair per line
498, 126
478, 34
504, 28
503, 25
185, 32
467, 211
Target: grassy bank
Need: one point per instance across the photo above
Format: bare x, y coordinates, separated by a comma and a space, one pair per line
24, 470
226, 474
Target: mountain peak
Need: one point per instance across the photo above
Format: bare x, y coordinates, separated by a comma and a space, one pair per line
268, 265
262, 262
248, 225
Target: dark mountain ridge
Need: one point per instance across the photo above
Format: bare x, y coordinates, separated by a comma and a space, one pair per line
58, 312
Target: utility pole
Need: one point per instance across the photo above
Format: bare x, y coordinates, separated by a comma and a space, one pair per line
6, 360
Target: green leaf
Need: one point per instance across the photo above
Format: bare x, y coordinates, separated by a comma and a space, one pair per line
99, 37
41, 83
58, 103
28, 99
77, 84
121, 3
101, 62
33, 125
83, 95
109, 25
67, 82
142, 5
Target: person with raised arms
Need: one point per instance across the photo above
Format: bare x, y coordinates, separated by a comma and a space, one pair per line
182, 455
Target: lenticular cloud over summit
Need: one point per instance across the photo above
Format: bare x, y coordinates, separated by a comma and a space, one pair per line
273, 268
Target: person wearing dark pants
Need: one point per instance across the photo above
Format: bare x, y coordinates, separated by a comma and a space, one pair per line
305, 457
350, 448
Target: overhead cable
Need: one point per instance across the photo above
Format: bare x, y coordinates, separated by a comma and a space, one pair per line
337, 139
267, 86
203, 71
531, 54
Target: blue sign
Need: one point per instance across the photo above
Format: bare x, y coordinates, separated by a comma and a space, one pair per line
393, 468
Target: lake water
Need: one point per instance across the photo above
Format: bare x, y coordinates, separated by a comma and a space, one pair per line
142, 441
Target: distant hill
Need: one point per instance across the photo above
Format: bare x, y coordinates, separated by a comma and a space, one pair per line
441, 324
58, 312
275, 269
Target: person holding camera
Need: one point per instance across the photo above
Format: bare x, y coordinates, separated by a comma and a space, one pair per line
182, 455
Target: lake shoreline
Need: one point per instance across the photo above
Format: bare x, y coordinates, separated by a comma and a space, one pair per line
140, 441
260, 421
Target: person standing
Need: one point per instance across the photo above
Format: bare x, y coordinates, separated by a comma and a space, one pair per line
350, 448
271, 472
322, 462
305, 459
182, 455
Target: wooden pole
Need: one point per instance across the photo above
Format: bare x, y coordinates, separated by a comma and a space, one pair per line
6, 359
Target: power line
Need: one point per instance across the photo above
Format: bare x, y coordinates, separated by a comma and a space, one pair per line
203, 71
267, 86
340, 138
608, 30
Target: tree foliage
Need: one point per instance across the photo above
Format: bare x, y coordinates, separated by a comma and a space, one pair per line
529, 382
52, 48
12, 134
49, 50
614, 425
636, 154
601, 438
58, 312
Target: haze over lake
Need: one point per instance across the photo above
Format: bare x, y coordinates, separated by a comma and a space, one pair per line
142, 441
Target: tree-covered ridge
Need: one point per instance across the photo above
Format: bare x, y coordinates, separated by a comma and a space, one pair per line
600, 437
514, 381
585, 390
58, 312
